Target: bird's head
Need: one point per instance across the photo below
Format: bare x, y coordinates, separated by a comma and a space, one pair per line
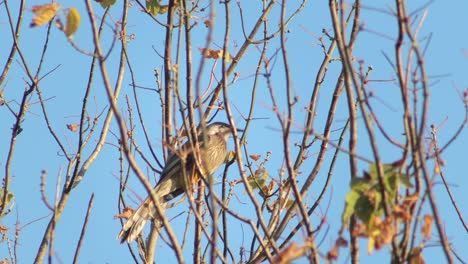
221, 129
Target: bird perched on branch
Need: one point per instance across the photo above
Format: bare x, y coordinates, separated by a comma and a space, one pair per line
181, 167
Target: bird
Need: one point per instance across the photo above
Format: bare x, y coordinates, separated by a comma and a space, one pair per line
181, 163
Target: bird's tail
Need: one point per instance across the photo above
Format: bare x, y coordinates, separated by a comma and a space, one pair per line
132, 228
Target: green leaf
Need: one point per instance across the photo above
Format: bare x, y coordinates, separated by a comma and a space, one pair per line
351, 200
387, 169
153, 6
256, 182
373, 171
405, 181
391, 184
106, 3
364, 209
379, 206
365, 199
391, 179
360, 184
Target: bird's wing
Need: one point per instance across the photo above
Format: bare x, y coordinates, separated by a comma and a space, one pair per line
174, 160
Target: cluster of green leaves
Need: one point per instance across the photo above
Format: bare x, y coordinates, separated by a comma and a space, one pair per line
364, 200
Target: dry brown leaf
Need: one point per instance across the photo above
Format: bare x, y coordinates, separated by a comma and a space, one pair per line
359, 230
341, 242
381, 233
267, 190
416, 257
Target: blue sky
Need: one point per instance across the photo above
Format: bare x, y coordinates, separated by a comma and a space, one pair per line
446, 64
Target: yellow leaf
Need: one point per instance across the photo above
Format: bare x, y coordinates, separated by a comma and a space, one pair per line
44, 14
163, 9
73, 22
230, 156
228, 57
370, 245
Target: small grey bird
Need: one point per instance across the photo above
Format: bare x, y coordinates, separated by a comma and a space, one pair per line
171, 184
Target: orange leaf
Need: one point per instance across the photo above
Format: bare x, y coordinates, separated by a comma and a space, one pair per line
44, 14
3, 228
333, 254
402, 212
214, 54
126, 214
204, 52
410, 200
255, 157
73, 127
291, 252
426, 229
207, 23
